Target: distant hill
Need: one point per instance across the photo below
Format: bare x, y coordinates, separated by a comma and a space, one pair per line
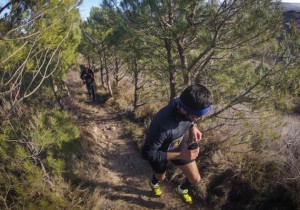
291, 11
291, 14
291, 6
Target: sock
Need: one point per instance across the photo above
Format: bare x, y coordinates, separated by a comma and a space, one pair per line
154, 180
185, 186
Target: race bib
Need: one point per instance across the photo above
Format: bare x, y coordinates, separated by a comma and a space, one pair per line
175, 144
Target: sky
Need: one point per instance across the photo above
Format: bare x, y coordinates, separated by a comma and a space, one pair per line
88, 4
84, 8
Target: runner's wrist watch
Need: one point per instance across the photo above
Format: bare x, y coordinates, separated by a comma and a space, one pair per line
192, 125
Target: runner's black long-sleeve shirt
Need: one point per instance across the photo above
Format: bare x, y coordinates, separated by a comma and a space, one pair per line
165, 133
87, 76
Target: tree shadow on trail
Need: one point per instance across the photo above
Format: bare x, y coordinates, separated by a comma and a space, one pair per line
100, 99
139, 201
126, 193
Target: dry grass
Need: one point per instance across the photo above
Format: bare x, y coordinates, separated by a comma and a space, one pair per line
245, 161
289, 151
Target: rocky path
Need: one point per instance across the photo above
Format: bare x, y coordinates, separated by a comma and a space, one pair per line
111, 163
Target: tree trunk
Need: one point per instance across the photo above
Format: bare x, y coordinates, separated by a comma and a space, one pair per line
108, 84
55, 92
136, 81
168, 46
117, 69
171, 69
102, 73
107, 77
117, 76
183, 61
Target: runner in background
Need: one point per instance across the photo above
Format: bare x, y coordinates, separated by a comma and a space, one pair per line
87, 76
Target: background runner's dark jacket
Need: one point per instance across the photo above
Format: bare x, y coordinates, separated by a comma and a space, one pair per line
88, 76
165, 133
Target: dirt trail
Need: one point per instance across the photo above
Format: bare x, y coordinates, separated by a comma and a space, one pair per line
111, 163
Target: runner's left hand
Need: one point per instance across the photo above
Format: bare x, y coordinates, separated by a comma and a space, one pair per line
196, 134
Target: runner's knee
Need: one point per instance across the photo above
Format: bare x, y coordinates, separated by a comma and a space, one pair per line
195, 179
160, 177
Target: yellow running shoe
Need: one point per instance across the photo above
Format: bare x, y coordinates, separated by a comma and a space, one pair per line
184, 196
155, 189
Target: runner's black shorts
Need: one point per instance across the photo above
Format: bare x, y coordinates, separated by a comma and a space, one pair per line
160, 167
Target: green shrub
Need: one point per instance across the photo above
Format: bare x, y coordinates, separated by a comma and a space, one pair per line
34, 156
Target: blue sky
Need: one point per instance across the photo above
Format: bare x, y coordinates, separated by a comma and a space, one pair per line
87, 5
84, 8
